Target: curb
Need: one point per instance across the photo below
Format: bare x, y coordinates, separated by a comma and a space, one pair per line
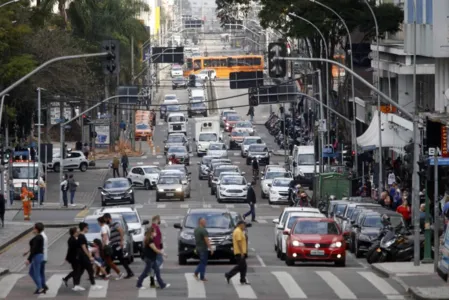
49, 208
418, 295
381, 271
16, 238
4, 272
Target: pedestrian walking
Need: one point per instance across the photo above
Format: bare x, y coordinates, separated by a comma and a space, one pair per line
117, 242
45, 258
239, 245
105, 233
115, 166
42, 188
150, 253
35, 257
125, 164
72, 185
157, 239
85, 261
72, 256
86, 150
251, 113
2, 209
251, 200
202, 248
26, 196
11, 192
97, 252
64, 189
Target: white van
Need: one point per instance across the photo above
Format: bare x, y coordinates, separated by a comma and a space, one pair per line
198, 94
303, 164
177, 123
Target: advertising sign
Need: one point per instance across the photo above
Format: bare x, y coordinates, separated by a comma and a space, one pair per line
444, 150
103, 136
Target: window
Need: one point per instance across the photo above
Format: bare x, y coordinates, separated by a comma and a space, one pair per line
116, 184
372, 222
130, 217
175, 139
177, 150
73, 155
213, 220
233, 181
142, 126
169, 180
137, 171
207, 137
340, 209
189, 64
257, 148
273, 175
24, 172
196, 64
176, 119
207, 63
313, 227
281, 182
306, 159
151, 170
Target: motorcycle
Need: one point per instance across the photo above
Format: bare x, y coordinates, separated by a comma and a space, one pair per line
372, 255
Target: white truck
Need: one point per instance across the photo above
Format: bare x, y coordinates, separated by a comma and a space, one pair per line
25, 172
303, 164
207, 130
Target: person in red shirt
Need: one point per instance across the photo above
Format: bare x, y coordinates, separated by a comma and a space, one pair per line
405, 211
156, 222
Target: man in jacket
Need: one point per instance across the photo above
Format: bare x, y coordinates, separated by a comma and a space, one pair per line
125, 164
115, 166
251, 200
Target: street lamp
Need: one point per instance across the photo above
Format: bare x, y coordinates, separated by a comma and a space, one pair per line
9, 2
378, 97
352, 79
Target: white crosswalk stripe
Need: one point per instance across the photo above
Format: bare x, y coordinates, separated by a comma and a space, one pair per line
7, 284
99, 293
54, 283
262, 221
230, 206
195, 287
244, 291
148, 293
382, 285
161, 205
340, 289
184, 206
290, 286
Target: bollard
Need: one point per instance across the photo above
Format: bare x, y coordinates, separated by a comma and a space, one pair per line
157, 149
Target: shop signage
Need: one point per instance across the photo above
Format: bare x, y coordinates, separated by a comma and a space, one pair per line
444, 149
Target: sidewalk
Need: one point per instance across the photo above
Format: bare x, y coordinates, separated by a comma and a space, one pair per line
421, 281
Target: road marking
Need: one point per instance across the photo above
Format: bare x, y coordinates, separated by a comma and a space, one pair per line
159, 156
161, 205
140, 163
7, 283
149, 292
340, 289
184, 206
262, 264
382, 285
230, 206
262, 221
236, 162
243, 290
160, 123
195, 287
101, 293
156, 163
54, 283
191, 154
236, 153
138, 206
82, 214
275, 206
290, 286
144, 157
207, 206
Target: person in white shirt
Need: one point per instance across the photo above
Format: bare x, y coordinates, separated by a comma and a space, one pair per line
105, 232
44, 261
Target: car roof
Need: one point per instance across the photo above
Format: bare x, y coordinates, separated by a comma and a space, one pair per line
352, 204
304, 209
174, 114
177, 146
117, 179
115, 209
205, 210
145, 166
262, 144
94, 217
252, 137
306, 214
278, 169
330, 220
220, 159
227, 166
227, 110
228, 173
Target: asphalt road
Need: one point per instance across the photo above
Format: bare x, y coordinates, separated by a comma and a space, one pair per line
270, 278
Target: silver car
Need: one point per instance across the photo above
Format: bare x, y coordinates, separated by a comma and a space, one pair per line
170, 187
185, 179
217, 150
247, 141
180, 152
218, 171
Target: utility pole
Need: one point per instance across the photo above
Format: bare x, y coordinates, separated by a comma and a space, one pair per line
322, 126
39, 127
436, 216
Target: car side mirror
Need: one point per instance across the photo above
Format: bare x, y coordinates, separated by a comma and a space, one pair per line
146, 222
275, 221
177, 226
280, 227
132, 231
249, 225
269, 185
286, 232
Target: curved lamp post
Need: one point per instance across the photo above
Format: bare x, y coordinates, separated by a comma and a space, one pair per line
9, 2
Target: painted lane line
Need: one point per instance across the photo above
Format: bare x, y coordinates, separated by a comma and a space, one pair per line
262, 264
149, 292
144, 157
156, 163
195, 287
161, 205
7, 283
340, 289
101, 293
243, 291
275, 206
230, 206
207, 206
380, 284
290, 286
140, 163
184, 206
159, 156
54, 283
262, 221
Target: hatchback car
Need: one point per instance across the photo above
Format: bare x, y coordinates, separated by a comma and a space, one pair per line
116, 191
259, 152
179, 82
315, 239
236, 138
247, 141
268, 177
216, 181
245, 126
230, 121
196, 108
170, 187
278, 190
176, 139
232, 187
224, 113
216, 173
180, 152
185, 179
144, 176
217, 150
203, 169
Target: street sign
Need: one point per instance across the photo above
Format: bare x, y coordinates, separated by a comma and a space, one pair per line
244, 80
192, 23
168, 55
125, 91
146, 52
275, 94
277, 68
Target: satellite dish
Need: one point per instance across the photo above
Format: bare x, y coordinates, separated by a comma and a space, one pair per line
446, 94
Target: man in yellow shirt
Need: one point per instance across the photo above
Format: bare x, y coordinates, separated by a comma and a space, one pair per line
240, 252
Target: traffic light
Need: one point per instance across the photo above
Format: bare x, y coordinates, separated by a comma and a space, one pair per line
409, 151
423, 170
277, 68
86, 120
252, 96
111, 62
348, 156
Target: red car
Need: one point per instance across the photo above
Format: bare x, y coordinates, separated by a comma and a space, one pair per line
230, 121
315, 239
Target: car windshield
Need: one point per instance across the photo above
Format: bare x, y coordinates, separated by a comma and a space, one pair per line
197, 100
175, 139
306, 159
204, 72
281, 182
372, 222
257, 148
273, 175
130, 217
233, 117
173, 107
170, 97
350, 211
176, 119
233, 181
213, 220
25, 172
244, 125
206, 160
207, 137
217, 172
142, 126
316, 227
116, 184
226, 113
177, 150
340, 209
252, 141
176, 68
93, 225
169, 180
217, 147
240, 133
355, 214
178, 79
151, 170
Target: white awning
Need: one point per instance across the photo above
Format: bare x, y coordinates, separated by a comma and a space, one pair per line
394, 135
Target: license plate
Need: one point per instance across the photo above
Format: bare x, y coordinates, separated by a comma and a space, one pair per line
378, 250
170, 194
233, 194
117, 198
213, 248
317, 252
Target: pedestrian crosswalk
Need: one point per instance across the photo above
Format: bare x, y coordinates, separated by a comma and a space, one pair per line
180, 205
295, 284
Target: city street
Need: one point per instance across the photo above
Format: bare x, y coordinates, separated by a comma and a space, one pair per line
270, 278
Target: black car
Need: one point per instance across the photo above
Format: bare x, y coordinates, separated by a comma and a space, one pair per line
196, 108
259, 151
179, 82
176, 139
117, 191
199, 83
220, 224
203, 170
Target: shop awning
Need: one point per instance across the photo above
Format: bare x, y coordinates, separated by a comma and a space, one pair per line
394, 135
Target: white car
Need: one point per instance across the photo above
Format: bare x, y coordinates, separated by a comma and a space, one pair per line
176, 70
133, 220
278, 190
247, 141
232, 187
244, 126
268, 177
207, 74
290, 220
74, 160
224, 114
146, 176
217, 150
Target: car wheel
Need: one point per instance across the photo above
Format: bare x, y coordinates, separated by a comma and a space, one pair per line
289, 262
278, 253
173, 87
262, 195
270, 202
132, 200
357, 251
83, 167
147, 185
157, 198
103, 203
352, 248
56, 168
212, 191
182, 198
340, 263
248, 162
182, 260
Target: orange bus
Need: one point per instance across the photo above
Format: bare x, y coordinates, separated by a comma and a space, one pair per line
143, 129
223, 65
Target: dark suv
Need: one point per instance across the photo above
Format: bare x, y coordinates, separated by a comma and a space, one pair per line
220, 224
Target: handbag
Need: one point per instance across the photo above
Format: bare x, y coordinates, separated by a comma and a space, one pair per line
107, 250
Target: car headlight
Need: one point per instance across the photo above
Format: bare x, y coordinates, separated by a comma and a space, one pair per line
160, 190
364, 237
179, 189
297, 244
222, 188
199, 146
229, 237
104, 193
187, 236
244, 189
137, 231
336, 245
130, 192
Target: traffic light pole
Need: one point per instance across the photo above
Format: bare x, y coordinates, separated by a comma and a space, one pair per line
436, 215
321, 128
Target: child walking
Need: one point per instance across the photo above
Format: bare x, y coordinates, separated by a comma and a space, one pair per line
97, 252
